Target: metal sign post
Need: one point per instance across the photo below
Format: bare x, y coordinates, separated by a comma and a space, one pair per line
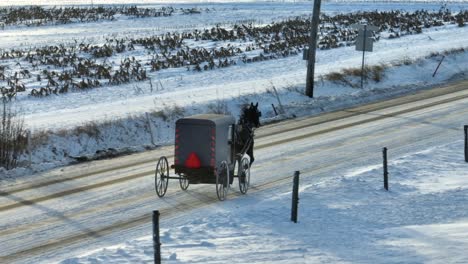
364, 42
363, 54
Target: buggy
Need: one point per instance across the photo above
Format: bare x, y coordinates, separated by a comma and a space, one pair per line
207, 151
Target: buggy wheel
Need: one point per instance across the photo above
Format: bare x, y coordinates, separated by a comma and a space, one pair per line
244, 175
161, 177
184, 182
222, 181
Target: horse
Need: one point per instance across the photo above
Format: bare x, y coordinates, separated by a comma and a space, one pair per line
248, 121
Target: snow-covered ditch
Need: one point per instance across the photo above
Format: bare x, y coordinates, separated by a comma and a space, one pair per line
346, 217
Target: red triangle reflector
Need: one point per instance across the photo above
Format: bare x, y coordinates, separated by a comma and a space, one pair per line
193, 162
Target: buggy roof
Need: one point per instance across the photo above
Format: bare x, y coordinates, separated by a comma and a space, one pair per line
207, 119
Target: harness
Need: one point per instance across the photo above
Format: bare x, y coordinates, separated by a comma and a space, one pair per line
248, 143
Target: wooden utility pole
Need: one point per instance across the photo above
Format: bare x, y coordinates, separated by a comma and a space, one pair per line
312, 47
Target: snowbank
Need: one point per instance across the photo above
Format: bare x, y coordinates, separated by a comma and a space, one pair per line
347, 218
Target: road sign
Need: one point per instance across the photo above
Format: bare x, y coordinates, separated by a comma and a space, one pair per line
364, 42
367, 33
369, 44
364, 26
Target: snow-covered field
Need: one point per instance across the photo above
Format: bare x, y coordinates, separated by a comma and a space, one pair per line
346, 217
182, 88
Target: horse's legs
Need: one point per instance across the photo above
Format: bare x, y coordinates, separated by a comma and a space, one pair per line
250, 152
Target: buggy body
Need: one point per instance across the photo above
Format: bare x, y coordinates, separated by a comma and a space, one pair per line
209, 138
205, 152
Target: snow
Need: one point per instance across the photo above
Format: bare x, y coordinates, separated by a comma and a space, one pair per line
343, 218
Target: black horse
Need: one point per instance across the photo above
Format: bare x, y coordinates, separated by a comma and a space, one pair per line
248, 121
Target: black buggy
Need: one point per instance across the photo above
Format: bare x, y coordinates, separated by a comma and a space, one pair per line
208, 150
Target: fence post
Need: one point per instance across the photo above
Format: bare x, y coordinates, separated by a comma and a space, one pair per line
295, 197
279, 101
274, 109
433, 75
150, 128
29, 149
385, 169
156, 240
466, 143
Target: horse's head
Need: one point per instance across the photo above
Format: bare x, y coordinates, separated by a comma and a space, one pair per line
251, 115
